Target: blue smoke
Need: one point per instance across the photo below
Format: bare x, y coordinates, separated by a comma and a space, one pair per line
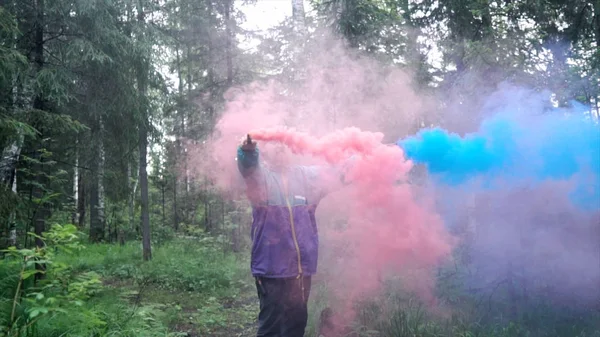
492, 184
521, 144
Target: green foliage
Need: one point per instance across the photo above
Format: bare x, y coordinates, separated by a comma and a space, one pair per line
192, 286
11, 61
399, 313
44, 288
102, 76
364, 23
175, 265
101, 290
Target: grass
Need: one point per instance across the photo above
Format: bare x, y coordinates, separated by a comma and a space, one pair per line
182, 265
191, 288
395, 313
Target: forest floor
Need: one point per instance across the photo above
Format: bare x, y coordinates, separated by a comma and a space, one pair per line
209, 307
192, 314
195, 287
191, 287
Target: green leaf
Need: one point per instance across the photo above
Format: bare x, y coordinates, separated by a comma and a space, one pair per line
28, 273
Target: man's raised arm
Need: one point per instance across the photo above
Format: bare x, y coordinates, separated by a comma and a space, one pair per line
247, 157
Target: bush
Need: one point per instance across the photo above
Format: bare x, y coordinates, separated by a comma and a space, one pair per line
70, 300
187, 265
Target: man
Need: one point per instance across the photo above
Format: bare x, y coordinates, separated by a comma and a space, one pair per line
285, 241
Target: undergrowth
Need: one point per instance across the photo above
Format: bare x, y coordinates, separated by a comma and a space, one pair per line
192, 287
106, 290
396, 313
185, 265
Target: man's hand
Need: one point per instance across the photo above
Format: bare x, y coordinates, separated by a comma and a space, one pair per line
248, 144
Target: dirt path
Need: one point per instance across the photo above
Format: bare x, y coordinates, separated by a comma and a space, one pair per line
190, 314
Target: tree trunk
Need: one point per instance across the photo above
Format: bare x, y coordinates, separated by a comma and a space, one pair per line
12, 226
299, 17
597, 24
133, 183
75, 215
38, 104
235, 228
121, 237
186, 210
10, 155
109, 227
8, 178
230, 41
297, 45
81, 202
145, 216
8, 163
223, 224
211, 72
143, 146
28, 224
162, 188
97, 216
207, 222
178, 135
175, 217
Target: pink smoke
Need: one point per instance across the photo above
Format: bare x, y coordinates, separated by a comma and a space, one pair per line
384, 230
332, 147
387, 229
254, 106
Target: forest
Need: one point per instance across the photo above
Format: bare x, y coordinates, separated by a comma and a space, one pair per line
114, 222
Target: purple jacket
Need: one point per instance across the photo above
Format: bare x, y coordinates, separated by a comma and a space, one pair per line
285, 241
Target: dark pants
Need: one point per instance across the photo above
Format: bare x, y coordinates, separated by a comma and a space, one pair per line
283, 306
